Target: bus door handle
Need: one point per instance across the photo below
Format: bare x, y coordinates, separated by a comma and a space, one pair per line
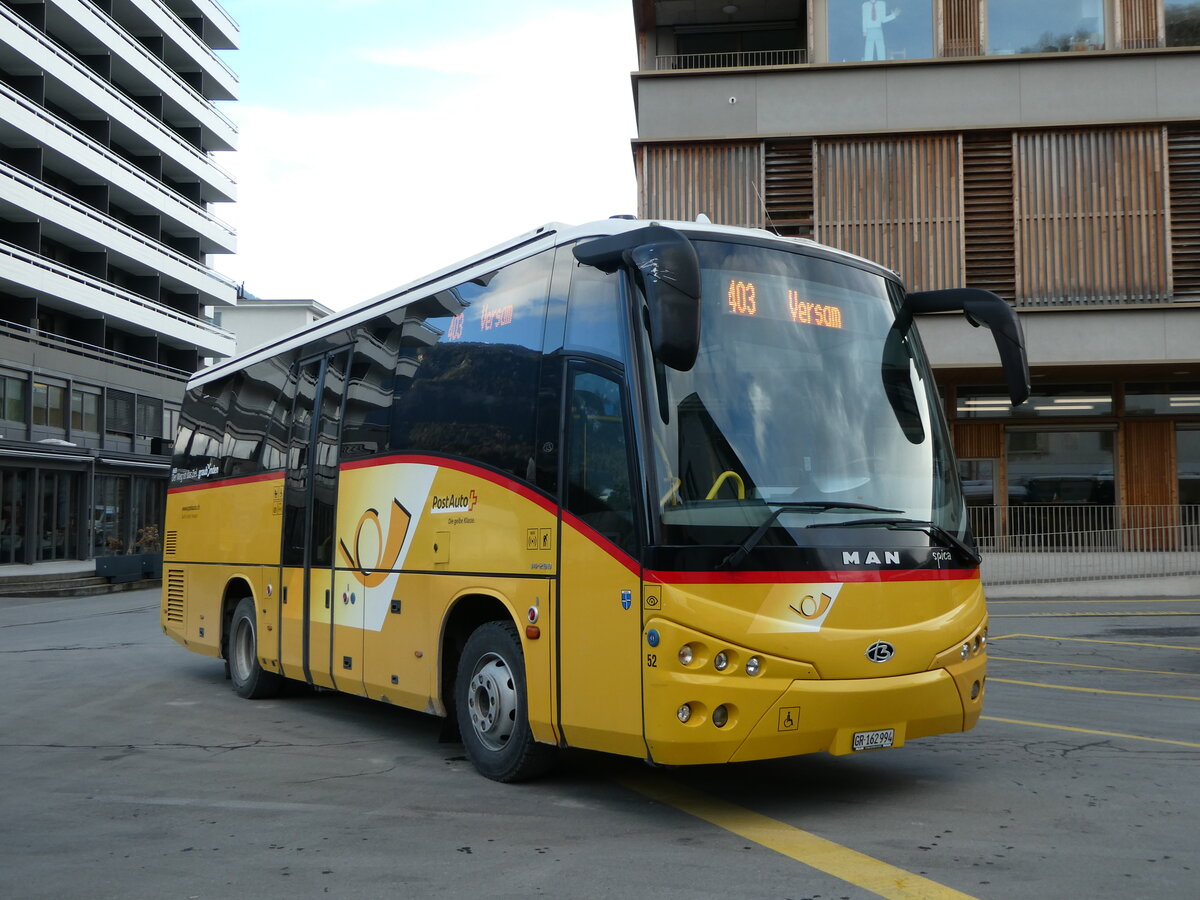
327, 599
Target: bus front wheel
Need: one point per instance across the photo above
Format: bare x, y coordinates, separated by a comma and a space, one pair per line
250, 679
492, 706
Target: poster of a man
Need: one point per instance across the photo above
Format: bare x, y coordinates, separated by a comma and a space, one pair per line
874, 16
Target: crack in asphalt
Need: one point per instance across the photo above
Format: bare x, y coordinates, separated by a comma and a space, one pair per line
182, 745
80, 647
98, 615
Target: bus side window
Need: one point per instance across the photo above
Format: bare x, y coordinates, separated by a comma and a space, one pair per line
369, 387
468, 369
596, 313
599, 486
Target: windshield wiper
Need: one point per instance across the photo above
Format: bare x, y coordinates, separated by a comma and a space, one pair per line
735, 558
935, 531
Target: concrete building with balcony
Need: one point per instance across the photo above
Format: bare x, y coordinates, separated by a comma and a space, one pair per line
1047, 150
108, 129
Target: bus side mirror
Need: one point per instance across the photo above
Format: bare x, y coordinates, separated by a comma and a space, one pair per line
667, 270
981, 308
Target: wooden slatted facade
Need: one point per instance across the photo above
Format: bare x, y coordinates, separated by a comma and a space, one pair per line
989, 230
789, 187
1183, 153
897, 201
1139, 24
720, 180
961, 27
1091, 216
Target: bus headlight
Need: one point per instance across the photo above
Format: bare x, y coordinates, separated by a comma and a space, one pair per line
684, 713
966, 651
753, 666
721, 661
685, 654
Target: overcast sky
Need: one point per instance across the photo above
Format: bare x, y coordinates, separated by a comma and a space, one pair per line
383, 139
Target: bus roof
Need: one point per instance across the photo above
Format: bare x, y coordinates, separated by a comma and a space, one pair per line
527, 244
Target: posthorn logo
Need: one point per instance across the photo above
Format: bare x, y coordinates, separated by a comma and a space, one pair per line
880, 651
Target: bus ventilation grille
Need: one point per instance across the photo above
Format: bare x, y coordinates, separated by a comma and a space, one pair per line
175, 594
170, 543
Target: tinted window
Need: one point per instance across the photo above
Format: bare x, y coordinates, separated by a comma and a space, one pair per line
370, 384
467, 369
596, 314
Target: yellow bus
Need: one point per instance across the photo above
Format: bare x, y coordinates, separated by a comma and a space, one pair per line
667, 490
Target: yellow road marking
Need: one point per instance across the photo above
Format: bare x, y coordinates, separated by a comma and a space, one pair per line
1074, 665
1051, 637
1064, 615
1115, 734
816, 852
1086, 690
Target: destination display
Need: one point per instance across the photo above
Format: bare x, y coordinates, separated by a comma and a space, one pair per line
771, 298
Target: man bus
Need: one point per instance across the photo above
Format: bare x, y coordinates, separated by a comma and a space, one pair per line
672, 491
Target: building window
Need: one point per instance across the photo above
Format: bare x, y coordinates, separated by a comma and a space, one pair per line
876, 30
118, 412
1045, 26
85, 411
1052, 401
1162, 399
774, 45
149, 417
1187, 464
1060, 467
12, 399
170, 422
49, 405
1182, 20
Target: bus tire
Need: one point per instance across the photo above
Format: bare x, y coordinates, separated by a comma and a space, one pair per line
492, 706
250, 679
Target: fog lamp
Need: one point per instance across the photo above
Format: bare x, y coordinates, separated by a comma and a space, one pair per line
720, 716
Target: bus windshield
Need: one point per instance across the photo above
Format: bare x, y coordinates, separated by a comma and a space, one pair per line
807, 407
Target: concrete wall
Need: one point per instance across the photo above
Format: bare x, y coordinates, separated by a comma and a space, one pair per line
851, 98
1076, 336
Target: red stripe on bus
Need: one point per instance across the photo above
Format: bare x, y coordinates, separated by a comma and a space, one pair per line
457, 465
847, 576
224, 482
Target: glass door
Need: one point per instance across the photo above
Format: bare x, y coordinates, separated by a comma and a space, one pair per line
310, 498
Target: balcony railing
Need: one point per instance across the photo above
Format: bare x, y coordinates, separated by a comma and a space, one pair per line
90, 351
151, 127
737, 60
1082, 542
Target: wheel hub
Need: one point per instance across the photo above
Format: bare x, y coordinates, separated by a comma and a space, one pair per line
492, 701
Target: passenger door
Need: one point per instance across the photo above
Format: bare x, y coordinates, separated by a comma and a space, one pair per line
599, 608
310, 501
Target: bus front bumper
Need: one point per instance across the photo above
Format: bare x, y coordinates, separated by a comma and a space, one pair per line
809, 716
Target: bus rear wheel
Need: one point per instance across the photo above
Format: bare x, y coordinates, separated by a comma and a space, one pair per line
492, 706
250, 679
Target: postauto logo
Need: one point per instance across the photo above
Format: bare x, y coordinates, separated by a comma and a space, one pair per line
453, 503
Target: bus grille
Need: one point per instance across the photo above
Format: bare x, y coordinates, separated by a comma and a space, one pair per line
170, 543
175, 593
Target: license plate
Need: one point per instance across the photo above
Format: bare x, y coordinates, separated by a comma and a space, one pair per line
873, 740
